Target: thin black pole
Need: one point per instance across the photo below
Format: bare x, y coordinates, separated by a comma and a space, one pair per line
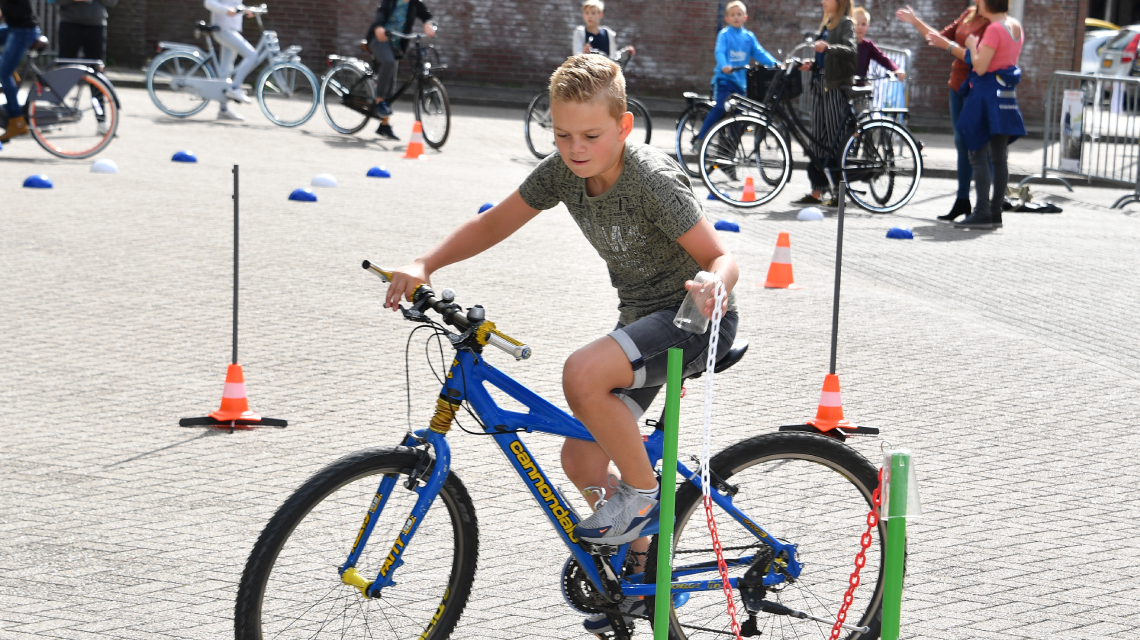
838, 270
235, 270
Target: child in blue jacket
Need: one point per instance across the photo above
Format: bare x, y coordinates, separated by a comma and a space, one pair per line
734, 46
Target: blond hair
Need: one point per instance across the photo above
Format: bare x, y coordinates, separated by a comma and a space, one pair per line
587, 77
831, 21
736, 3
597, 4
860, 11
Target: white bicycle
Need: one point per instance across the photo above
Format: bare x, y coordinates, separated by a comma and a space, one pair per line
183, 79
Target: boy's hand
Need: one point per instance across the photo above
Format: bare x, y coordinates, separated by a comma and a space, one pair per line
726, 69
901, 75
404, 283
381, 36
429, 29
709, 290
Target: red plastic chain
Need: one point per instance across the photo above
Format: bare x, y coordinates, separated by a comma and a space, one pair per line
722, 567
860, 559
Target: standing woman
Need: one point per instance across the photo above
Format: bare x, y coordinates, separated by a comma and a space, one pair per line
970, 23
836, 60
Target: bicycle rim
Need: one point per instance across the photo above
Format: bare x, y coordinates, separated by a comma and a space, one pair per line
882, 166
642, 123
346, 85
291, 587
539, 127
165, 83
433, 110
743, 153
804, 489
688, 146
287, 94
83, 124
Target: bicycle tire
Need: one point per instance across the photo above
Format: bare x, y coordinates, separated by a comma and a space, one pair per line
342, 84
433, 110
312, 533
640, 115
163, 78
63, 130
538, 128
801, 503
742, 147
883, 155
688, 146
292, 94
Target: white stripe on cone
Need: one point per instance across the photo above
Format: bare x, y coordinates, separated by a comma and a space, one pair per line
417, 137
830, 399
234, 390
783, 255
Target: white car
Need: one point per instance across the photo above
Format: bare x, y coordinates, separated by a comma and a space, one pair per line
1093, 47
1118, 55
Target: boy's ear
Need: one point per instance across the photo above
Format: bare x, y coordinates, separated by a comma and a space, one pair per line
626, 123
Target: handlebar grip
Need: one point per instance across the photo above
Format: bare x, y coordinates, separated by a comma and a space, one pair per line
518, 350
386, 276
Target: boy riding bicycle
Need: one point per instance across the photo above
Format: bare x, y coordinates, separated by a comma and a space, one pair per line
392, 15
638, 210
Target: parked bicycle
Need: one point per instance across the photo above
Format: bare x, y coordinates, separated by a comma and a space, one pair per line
688, 145
348, 91
72, 109
184, 79
538, 128
878, 158
384, 541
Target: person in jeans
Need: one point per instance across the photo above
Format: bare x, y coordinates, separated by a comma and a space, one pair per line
393, 15
21, 31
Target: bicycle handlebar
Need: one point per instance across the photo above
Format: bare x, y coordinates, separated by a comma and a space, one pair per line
408, 36
261, 8
485, 332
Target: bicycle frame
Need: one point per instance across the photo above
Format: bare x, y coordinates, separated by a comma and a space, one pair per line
465, 381
268, 49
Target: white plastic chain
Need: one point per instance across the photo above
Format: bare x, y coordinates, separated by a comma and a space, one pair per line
719, 295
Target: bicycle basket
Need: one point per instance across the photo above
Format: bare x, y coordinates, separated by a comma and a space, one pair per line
784, 85
759, 80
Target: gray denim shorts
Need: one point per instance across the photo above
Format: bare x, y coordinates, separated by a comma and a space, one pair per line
646, 343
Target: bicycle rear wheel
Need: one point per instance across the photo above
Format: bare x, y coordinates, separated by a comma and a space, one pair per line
433, 110
642, 123
291, 589
346, 97
166, 83
287, 94
802, 488
688, 147
82, 124
882, 165
538, 128
744, 161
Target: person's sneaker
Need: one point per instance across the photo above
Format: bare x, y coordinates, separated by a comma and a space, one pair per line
620, 519
975, 221
101, 127
831, 202
381, 109
385, 131
230, 114
236, 93
808, 199
631, 609
17, 126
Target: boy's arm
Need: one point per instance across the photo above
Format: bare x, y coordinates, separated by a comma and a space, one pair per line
479, 233
761, 55
722, 52
878, 56
579, 40
703, 244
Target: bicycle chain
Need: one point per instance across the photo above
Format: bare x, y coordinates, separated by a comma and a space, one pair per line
860, 559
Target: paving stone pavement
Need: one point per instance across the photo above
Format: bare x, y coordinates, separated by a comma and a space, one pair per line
1007, 361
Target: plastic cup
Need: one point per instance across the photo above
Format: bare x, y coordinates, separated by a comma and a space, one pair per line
689, 316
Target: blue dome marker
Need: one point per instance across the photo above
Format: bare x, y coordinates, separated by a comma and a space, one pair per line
303, 195
900, 233
379, 172
485, 206
39, 181
184, 156
712, 196
728, 224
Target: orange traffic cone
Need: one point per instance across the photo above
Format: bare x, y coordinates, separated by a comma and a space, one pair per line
234, 412
749, 190
780, 271
416, 143
829, 415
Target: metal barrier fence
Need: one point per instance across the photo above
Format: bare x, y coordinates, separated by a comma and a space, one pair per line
1092, 131
889, 96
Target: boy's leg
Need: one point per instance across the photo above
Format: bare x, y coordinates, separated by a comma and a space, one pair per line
386, 64
236, 44
724, 89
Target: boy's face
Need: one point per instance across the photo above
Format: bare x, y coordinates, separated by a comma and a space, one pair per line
593, 17
589, 139
861, 25
736, 17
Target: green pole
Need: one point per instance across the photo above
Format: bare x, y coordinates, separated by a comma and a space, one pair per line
664, 600
896, 544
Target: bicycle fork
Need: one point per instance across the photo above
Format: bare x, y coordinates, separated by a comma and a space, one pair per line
435, 440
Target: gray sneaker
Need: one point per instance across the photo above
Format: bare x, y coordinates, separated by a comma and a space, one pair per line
620, 519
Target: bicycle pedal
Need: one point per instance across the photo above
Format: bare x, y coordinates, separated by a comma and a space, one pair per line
595, 549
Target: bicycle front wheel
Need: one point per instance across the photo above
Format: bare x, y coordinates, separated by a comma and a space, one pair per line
166, 83
804, 489
81, 124
433, 110
882, 165
291, 587
287, 94
688, 148
539, 127
642, 123
347, 96
744, 161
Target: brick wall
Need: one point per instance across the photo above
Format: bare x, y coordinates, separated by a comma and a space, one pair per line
519, 42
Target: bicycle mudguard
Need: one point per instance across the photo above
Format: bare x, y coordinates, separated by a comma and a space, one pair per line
58, 82
93, 72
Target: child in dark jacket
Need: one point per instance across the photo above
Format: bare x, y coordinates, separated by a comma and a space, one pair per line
393, 15
868, 50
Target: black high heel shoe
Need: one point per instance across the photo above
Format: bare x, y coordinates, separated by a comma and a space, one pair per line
961, 207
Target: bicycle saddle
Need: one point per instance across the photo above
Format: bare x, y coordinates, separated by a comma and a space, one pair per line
735, 353
853, 93
364, 47
202, 26
40, 44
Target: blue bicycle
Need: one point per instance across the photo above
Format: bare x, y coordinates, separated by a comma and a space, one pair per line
384, 542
